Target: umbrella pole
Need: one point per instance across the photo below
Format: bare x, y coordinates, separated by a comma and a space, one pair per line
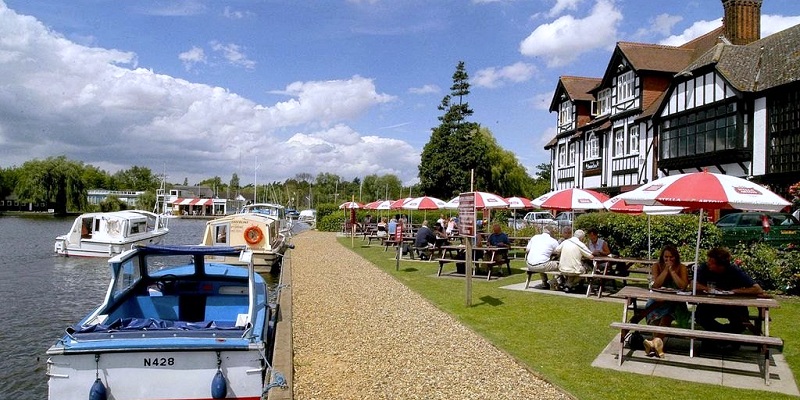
649, 243
694, 276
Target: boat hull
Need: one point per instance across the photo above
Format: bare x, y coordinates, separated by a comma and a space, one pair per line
89, 248
157, 374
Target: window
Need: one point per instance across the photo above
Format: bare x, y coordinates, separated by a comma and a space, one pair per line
592, 146
625, 86
604, 102
221, 234
633, 139
708, 130
571, 155
565, 113
562, 155
619, 142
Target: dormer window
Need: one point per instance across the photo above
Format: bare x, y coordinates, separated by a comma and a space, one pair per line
625, 85
565, 113
604, 102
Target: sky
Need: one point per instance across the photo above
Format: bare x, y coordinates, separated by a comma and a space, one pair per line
269, 89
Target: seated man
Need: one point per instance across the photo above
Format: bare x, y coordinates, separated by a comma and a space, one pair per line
424, 241
538, 255
719, 273
572, 251
498, 238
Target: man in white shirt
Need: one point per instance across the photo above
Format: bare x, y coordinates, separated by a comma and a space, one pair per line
538, 255
570, 263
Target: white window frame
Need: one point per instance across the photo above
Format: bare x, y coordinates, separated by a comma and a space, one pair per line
604, 102
562, 155
565, 113
619, 142
592, 146
625, 86
571, 153
633, 139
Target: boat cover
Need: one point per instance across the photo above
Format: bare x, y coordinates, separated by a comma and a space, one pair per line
191, 249
152, 324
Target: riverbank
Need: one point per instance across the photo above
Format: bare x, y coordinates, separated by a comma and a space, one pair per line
359, 333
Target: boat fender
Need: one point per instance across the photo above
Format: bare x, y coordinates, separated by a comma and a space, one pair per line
253, 234
98, 391
219, 387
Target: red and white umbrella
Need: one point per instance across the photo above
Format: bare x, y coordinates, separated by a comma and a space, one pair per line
706, 191
618, 205
398, 204
351, 204
571, 199
483, 200
519, 203
423, 203
379, 205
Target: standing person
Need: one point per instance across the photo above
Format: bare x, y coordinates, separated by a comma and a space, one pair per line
538, 256
718, 273
451, 226
572, 252
668, 272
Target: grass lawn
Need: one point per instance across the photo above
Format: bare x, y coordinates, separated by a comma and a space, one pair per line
558, 337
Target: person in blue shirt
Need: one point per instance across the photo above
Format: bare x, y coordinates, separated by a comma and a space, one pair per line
718, 273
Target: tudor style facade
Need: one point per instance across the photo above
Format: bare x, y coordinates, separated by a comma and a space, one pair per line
660, 110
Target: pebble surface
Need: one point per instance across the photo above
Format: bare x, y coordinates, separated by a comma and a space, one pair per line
360, 334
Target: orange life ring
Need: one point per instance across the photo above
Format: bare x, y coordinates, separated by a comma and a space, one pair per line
253, 234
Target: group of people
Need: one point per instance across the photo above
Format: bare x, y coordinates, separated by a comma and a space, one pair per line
544, 253
425, 240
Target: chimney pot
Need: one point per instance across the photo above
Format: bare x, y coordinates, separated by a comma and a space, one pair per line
742, 21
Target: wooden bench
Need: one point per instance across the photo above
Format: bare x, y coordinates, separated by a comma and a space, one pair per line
764, 342
489, 263
591, 277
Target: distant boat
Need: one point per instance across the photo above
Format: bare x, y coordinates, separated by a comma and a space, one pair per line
258, 232
106, 234
173, 325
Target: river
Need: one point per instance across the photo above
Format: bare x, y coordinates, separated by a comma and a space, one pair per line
41, 294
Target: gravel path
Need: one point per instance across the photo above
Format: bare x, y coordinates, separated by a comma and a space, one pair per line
360, 334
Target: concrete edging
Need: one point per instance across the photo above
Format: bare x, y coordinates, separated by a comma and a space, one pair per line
283, 355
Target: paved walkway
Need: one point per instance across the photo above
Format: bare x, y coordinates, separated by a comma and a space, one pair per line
360, 334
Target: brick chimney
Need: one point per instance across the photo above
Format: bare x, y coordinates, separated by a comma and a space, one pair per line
742, 20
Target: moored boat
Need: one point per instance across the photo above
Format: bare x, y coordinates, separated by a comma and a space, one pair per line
259, 233
173, 325
276, 211
105, 234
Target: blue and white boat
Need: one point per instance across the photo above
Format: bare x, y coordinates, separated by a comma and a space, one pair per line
173, 325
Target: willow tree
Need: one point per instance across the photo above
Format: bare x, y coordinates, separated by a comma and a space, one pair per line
57, 181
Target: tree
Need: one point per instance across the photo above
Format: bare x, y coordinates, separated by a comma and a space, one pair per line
137, 178
8, 179
95, 178
541, 184
234, 183
56, 181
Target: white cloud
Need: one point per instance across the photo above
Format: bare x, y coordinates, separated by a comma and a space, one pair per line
697, 29
235, 14
193, 56
233, 53
175, 8
562, 5
775, 23
94, 105
541, 101
493, 77
661, 25
425, 89
563, 40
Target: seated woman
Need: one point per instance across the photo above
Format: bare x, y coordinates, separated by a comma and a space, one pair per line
382, 228
668, 272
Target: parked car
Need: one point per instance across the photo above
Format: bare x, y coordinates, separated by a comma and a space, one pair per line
538, 219
773, 228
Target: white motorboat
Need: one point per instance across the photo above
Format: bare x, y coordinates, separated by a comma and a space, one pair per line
276, 211
105, 234
258, 232
173, 325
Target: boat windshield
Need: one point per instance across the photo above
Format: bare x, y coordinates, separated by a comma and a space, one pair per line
126, 276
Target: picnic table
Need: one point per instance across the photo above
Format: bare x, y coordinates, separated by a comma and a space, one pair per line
761, 320
488, 256
601, 271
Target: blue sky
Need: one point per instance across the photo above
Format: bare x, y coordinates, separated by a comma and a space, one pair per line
272, 88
